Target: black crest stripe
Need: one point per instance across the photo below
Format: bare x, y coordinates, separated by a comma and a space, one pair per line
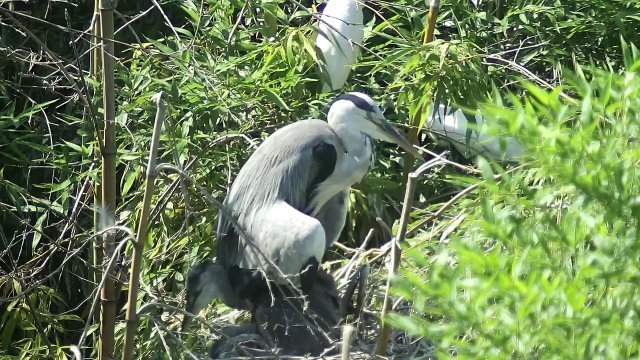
359, 102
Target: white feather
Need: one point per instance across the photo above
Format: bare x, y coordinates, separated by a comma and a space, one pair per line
339, 47
452, 125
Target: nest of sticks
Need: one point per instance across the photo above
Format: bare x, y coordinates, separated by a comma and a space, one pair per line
226, 334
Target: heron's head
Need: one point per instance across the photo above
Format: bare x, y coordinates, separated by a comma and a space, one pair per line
359, 112
206, 281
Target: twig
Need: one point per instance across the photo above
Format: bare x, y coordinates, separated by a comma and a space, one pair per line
195, 33
345, 248
441, 157
348, 294
143, 225
161, 325
164, 342
166, 18
346, 270
237, 23
134, 19
396, 252
128, 25
362, 286
526, 72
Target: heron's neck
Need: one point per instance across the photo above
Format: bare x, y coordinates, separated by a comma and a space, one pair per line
352, 139
351, 166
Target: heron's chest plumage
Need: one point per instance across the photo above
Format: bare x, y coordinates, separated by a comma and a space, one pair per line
351, 166
354, 165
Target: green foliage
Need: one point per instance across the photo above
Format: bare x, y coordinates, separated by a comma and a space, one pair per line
544, 263
245, 68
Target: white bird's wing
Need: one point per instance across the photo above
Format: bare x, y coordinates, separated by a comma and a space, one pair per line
340, 28
470, 138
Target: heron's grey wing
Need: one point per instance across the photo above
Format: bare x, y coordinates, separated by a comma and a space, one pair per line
287, 166
333, 215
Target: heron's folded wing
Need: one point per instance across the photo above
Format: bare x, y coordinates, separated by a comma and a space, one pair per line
287, 166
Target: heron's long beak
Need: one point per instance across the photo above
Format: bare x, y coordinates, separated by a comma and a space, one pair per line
396, 137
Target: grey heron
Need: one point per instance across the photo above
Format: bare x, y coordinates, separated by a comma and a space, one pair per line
291, 194
340, 31
468, 134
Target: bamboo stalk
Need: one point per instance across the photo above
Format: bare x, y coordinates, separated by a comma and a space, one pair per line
96, 66
416, 120
347, 334
409, 180
396, 251
434, 7
108, 292
143, 225
381, 346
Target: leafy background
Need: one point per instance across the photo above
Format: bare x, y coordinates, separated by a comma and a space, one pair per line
534, 261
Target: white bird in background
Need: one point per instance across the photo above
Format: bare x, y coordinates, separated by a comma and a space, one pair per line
341, 27
471, 139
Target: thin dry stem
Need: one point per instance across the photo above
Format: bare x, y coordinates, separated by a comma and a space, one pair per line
143, 225
396, 252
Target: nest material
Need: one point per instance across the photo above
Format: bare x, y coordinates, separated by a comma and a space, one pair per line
246, 342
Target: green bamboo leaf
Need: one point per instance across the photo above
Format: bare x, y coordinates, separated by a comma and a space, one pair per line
271, 95
129, 180
59, 186
38, 229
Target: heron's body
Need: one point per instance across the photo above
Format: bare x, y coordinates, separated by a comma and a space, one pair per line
340, 29
304, 211
290, 199
468, 134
